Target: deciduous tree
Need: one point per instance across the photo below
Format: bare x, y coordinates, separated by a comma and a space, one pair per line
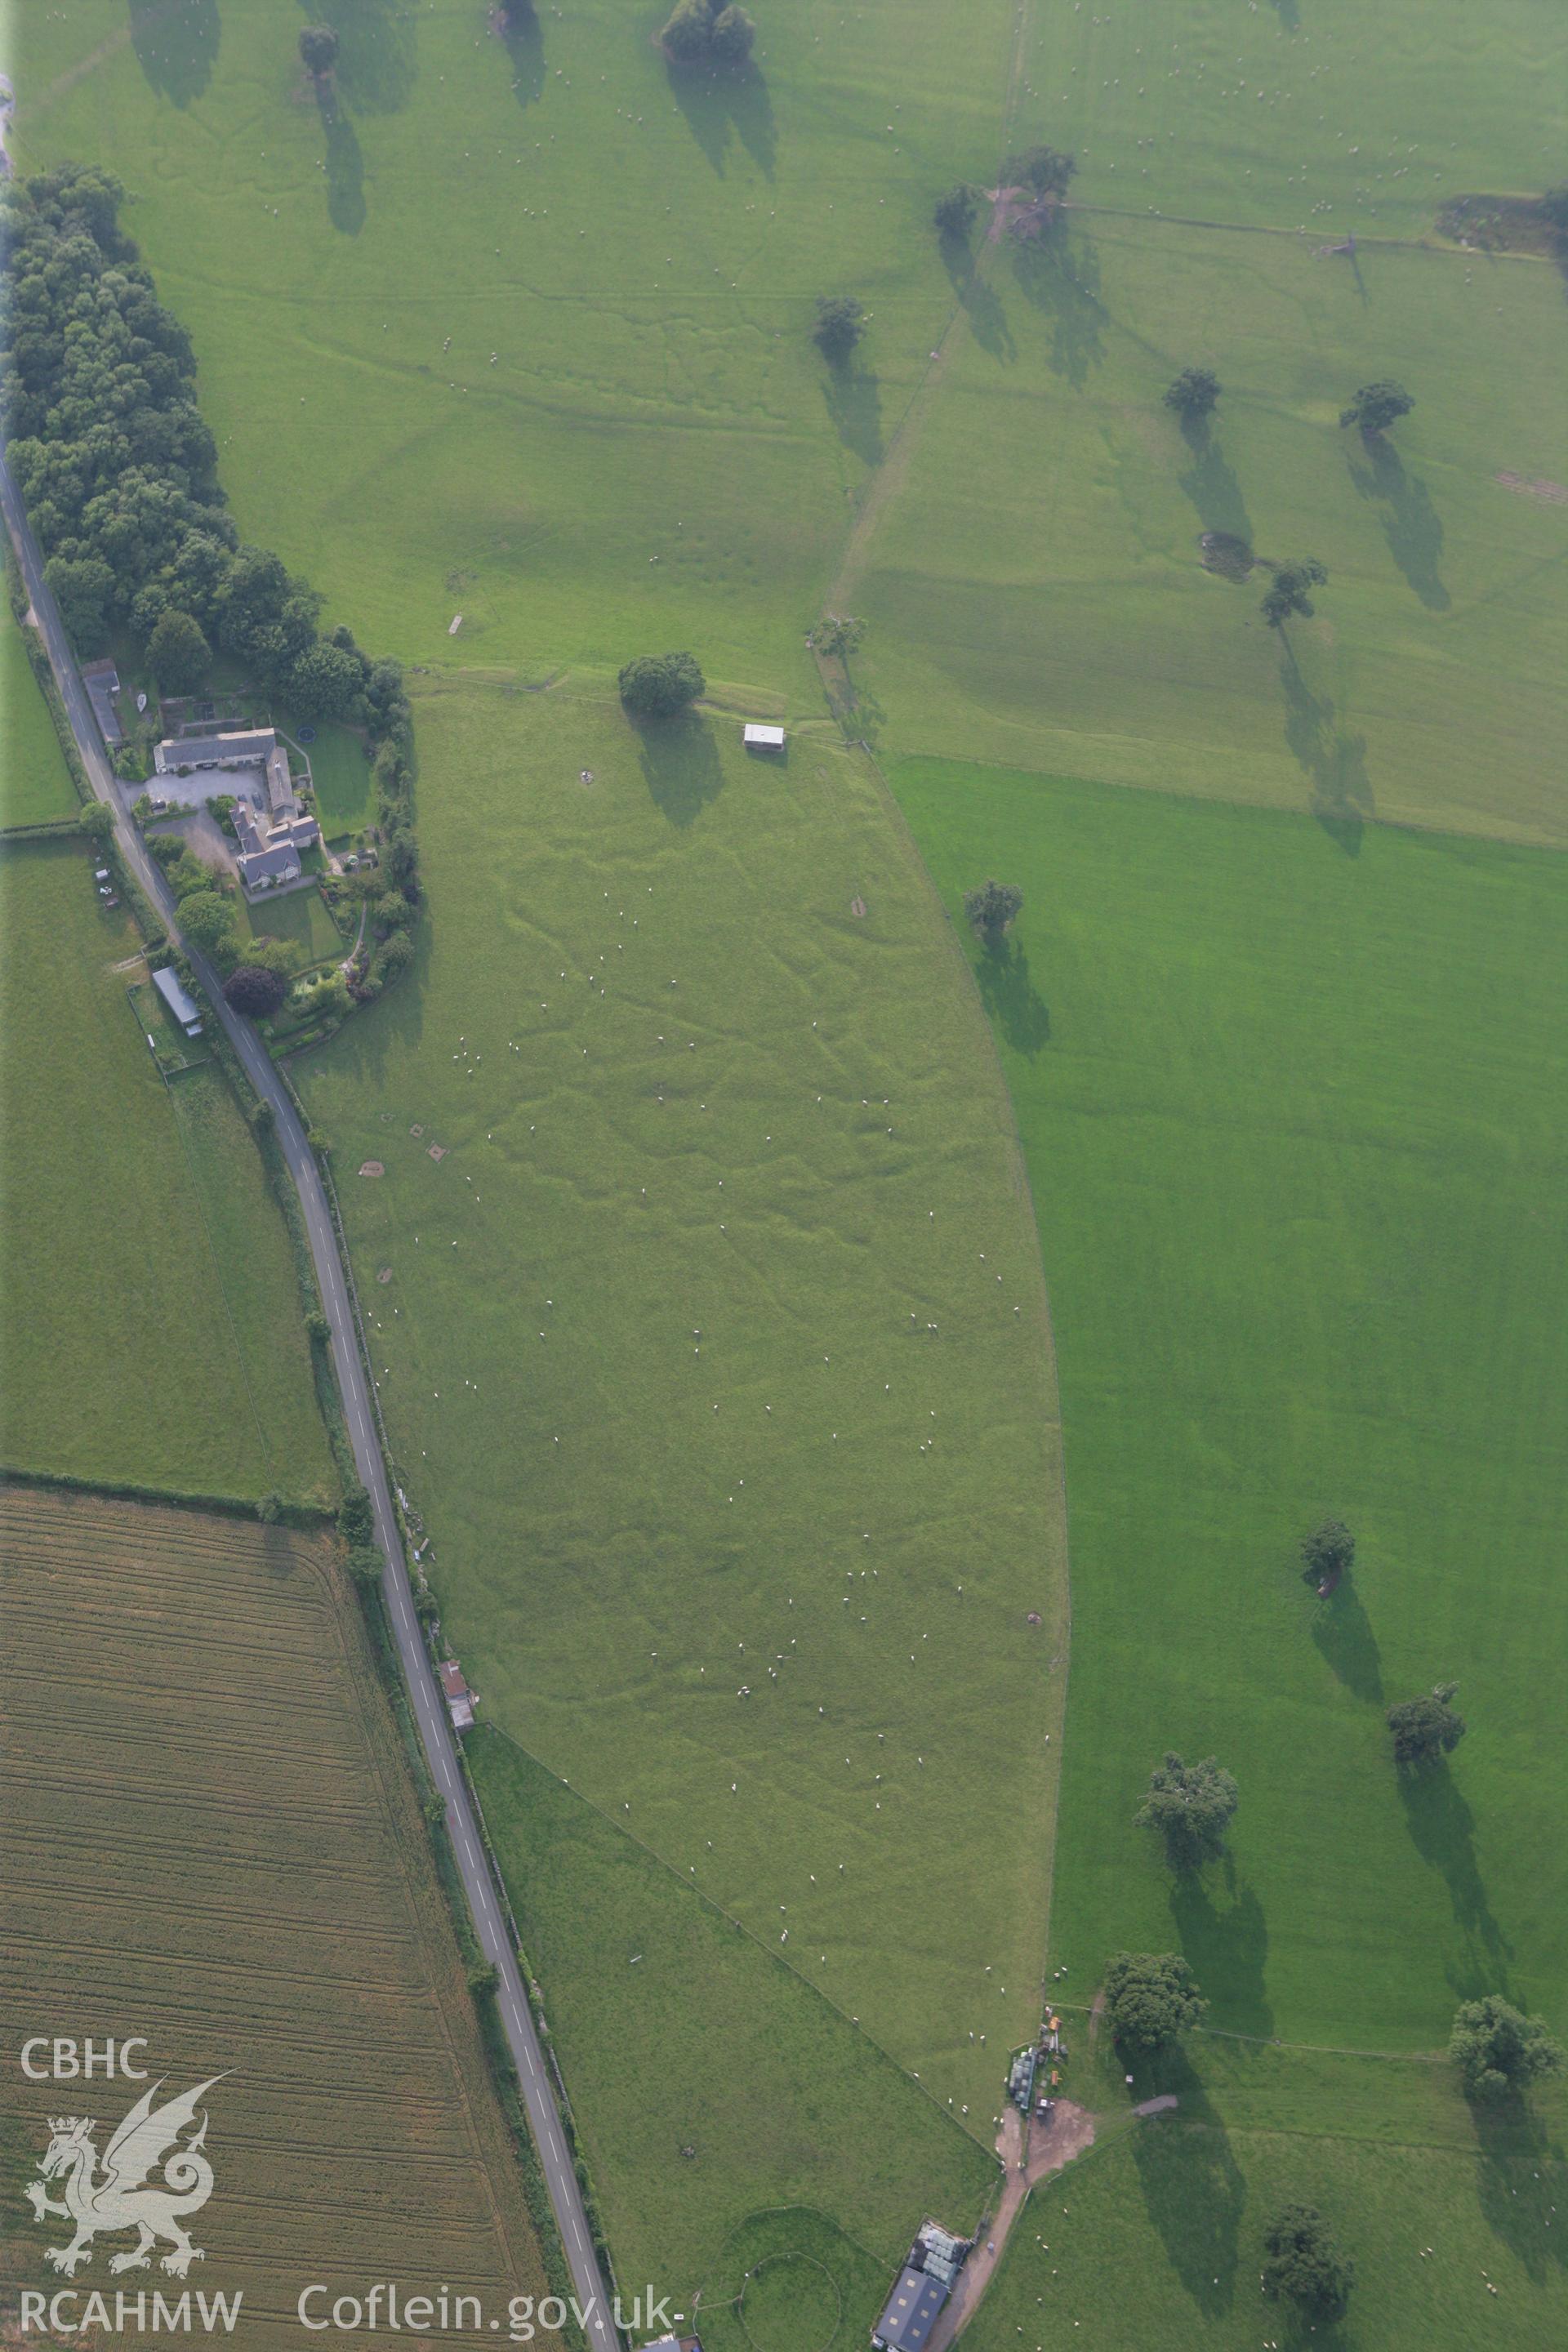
1326, 1554
206, 919
992, 909
318, 51
251, 989
1427, 1728
953, 212
1303, 2263
1498, 2051
1190, 1807
656, 685
1151, 2000
1288, 591
1043, 171
1375, 406
840, 323
178, 653
1193, 394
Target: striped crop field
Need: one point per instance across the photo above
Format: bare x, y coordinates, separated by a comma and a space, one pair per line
212, 1842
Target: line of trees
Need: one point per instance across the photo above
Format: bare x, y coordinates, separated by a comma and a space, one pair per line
118, 471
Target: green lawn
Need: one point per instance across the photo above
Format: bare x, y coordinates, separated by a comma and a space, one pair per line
1292, 1103
34, 782
340, 771
299, 917
656, 1352
152, 1319
710, 2082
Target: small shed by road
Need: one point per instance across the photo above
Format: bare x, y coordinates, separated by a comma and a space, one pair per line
758, 738
459, 1698
181, 1004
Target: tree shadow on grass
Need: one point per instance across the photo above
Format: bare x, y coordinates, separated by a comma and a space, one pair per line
518, 29
724, 103
1411, 524
1226, 1946
1333, 758
1210, 483
987, 320
1012, 1000
1343, 1632
1060, 274
681, 764
378, 63
854, 401
176, 43
1443, 1830
1520, 2178
1193, 2187
345, 168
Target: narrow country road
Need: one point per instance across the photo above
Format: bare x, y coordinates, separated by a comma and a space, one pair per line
435, 1730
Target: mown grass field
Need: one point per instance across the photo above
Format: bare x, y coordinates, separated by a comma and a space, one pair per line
705, 2073
35, 784
1294, 1122
212, 1840
152, 1326
714, 1351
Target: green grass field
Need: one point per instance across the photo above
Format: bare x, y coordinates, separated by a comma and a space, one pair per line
1294, 1119
1153, 2243
35, 784
789, 2281
153, 1318
654, 451
653, 393
1074, 629
657, 1352
1288, 1089
712, 2086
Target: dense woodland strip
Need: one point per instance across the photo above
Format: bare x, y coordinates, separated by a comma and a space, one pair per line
118, 471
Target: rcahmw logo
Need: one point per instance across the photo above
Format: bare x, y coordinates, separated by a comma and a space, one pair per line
150, 2178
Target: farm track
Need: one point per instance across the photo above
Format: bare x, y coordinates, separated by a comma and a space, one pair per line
338, 1304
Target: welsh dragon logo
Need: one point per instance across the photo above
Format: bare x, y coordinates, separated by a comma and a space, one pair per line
121, 2196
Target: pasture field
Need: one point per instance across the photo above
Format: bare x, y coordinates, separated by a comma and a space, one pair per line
153, 1318
1037, 592
640, 253
35, 784
577, 442
1154, 2243
212, 1840
789, 2281
1294, 1119
714, 1351
715, 2093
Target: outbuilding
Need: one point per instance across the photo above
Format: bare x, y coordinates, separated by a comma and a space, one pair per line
181, 1004
758, 738
910, 2311
459, 1698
